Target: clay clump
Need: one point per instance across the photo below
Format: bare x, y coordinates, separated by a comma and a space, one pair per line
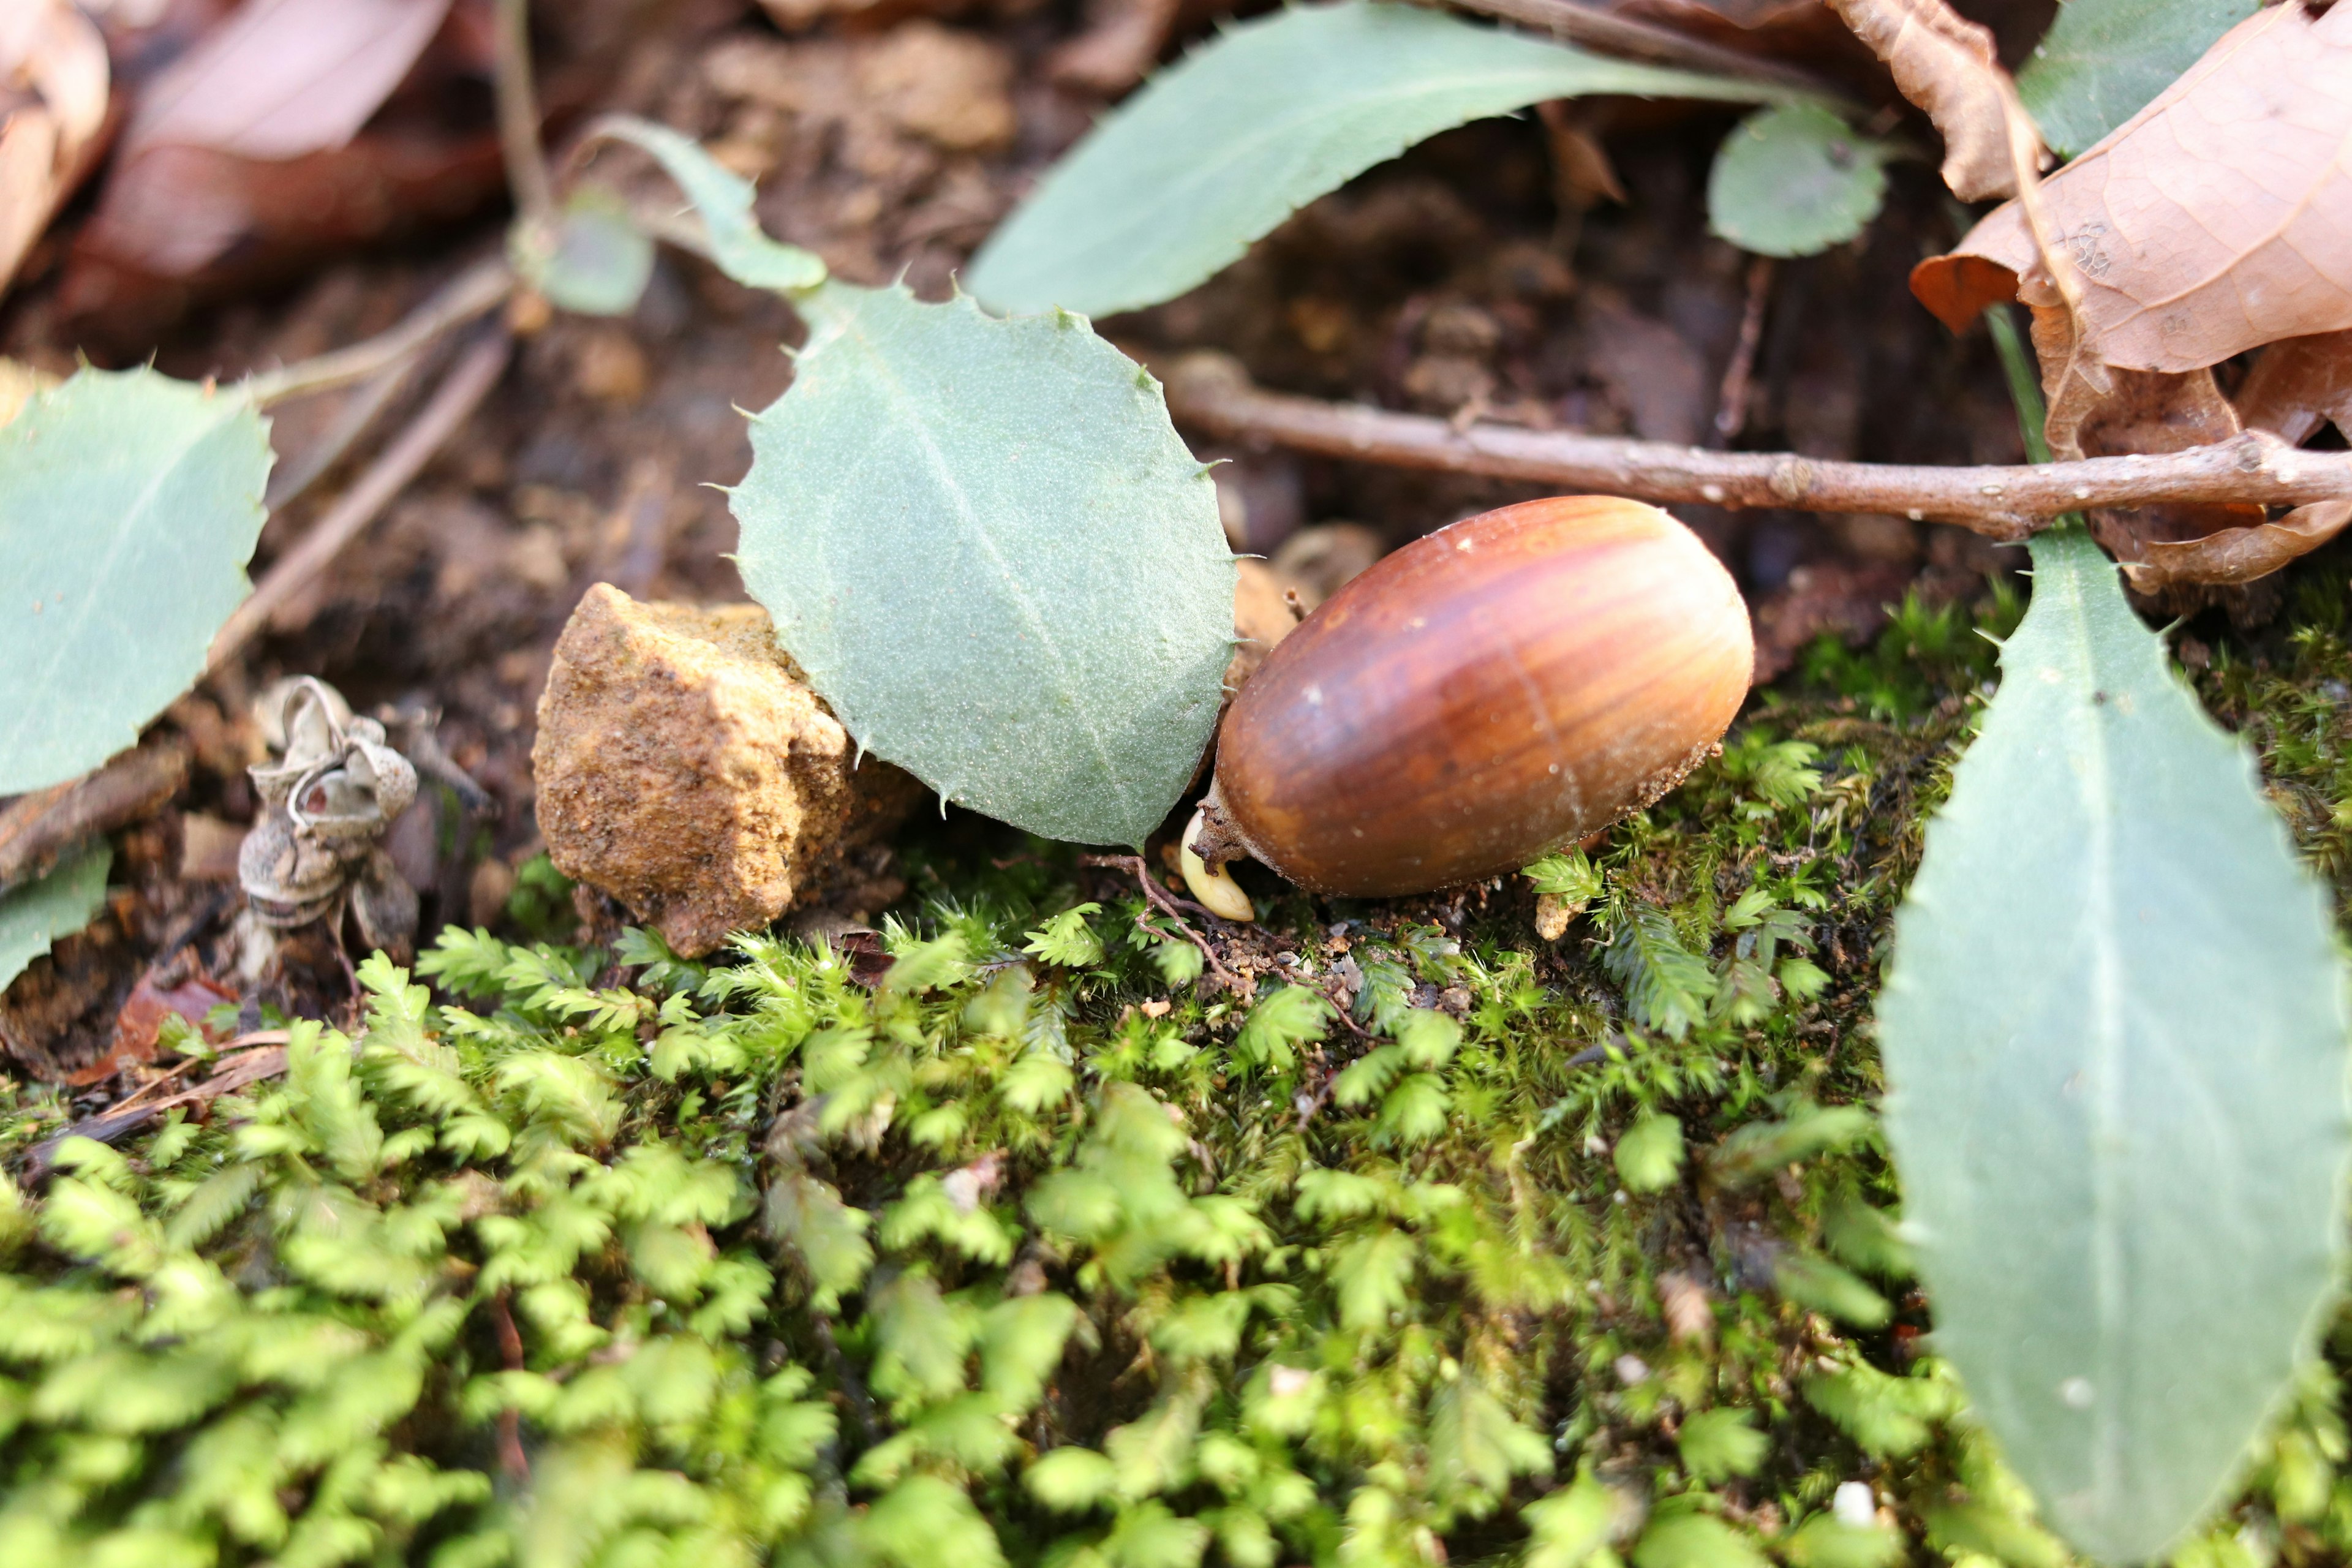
685, 768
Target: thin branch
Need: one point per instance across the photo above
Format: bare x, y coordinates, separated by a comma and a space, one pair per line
479, 289
1731, 401
258, 1056
459, 394
1172, 907
1586, 24
1214, 395
534, 189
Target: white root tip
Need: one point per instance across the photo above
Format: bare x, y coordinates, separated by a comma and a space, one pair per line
1216, 891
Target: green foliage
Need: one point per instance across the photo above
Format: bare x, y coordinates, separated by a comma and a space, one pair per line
128, 505
2113, 1030
2103, 60
32, 916
1174, 185
987, 1263
1650, 1155
1795, 180
724, 199
593, 259
986, 545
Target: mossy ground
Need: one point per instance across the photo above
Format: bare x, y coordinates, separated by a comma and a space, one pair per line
1445, 1243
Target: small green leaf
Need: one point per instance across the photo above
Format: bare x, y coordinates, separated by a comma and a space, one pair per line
1650, 1154
1568, 1527
1795, 180
2113, 1031
1174, 185
738, 245
1821, 1285
984, 543
1283, 1019
1691, 1540
595, 260
2103, 60
1070, 1479
1067, 940
32, 916
1826, 1542
1571, 878
128, 505
1718, 1445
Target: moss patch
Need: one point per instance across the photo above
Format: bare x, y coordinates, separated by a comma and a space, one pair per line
1443, 1243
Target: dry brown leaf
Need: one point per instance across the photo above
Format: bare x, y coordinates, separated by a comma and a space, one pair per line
2217, 219
53, 92
284, 78
2298, 385
1946, 65
2240, 554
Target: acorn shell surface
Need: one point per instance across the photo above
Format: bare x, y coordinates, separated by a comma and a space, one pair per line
1513, 682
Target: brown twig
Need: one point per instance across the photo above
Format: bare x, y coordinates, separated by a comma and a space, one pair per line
459, 394
265, 1058
1172, 907
512, 1458
1212, 394
1732, 402
1585, 24
479, 289
39, 829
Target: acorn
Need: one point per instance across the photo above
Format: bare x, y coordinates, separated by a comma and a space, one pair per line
1492, 691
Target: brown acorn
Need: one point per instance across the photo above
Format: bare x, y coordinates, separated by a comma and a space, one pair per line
1489, 692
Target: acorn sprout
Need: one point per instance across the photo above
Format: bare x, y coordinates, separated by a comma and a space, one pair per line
1515, 682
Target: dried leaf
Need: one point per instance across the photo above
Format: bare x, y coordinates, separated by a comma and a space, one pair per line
283, 77
1946, 65
2216, 220
53, 93
2239, 554
2298, 385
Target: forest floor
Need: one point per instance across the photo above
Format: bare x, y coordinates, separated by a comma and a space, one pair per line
830, 1246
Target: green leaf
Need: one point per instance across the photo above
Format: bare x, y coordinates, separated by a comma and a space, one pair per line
1571, 878
593, 259
1475, 1447
1650, 1154
986, 546
1070, 1479
1718, 1445
1817, 1283
2103, 60
2113, 1031
1667, 986
1824, 1541
1694, 1541
1283, 1019
737, 245
1795, 180
1067, 940
128, 505
1173, 186
1568, 1527
35, 915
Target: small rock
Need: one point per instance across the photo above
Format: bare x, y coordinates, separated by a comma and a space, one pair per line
685, 768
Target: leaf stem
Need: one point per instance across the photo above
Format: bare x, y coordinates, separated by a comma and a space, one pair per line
534, 188
2024, 386
480, 289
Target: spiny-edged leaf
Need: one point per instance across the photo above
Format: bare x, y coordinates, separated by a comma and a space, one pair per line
1718, 1445
32, 916
1174, 185
986, 546
592, 259
128, 506
2113, 1030
1795, 180
737, 244
1650, 1155
2103, 60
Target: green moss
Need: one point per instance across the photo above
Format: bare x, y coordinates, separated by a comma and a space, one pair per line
1448, 1244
